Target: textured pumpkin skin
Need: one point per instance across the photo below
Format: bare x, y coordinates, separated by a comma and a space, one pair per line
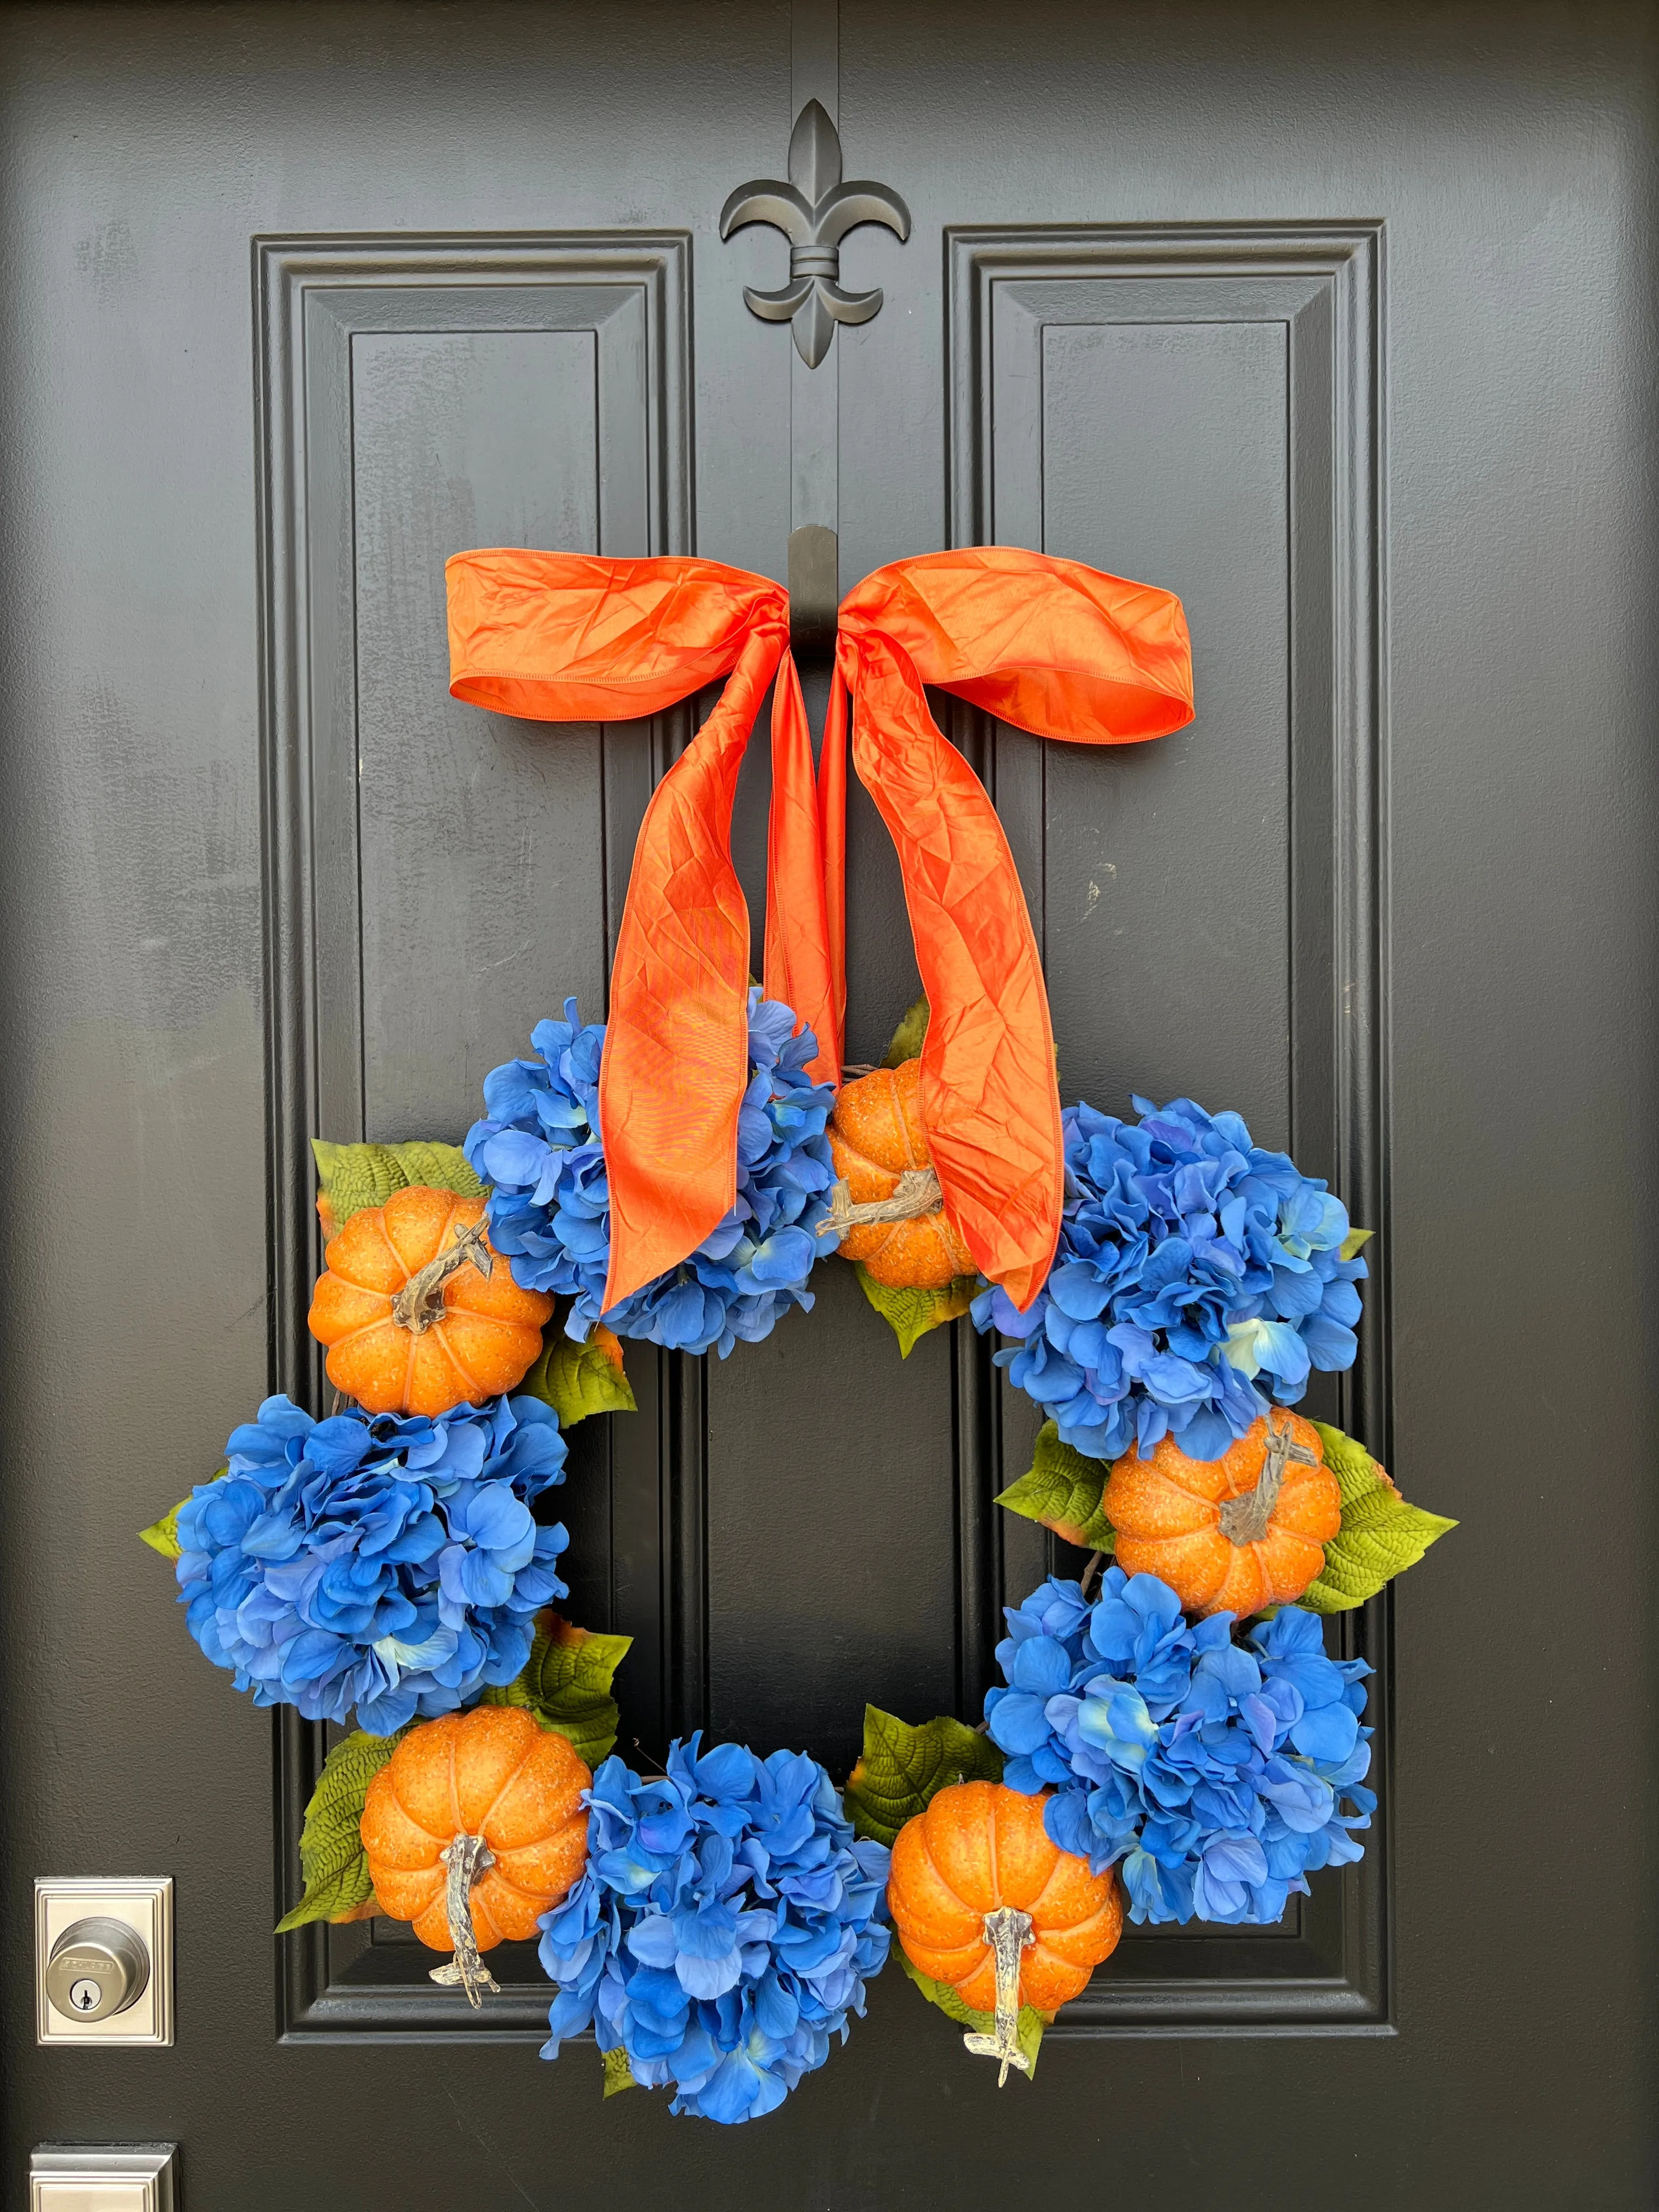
1167, 1513
486, 1342
493, 1772
875, 1136
978, 1845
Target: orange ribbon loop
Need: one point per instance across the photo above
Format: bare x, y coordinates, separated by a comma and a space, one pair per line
1056, 648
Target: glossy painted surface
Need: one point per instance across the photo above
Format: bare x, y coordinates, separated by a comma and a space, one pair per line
1335, 321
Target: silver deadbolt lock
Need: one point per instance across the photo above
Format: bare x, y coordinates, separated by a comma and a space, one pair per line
103, 1959
97, 1968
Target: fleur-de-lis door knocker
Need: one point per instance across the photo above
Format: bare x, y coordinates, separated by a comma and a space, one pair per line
815, 211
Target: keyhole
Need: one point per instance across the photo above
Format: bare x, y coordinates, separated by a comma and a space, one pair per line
85, 1996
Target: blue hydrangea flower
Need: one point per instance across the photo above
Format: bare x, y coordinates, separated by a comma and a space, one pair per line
538, 1149
723, 1929
1197, 1277
1220, 1774
394, 1566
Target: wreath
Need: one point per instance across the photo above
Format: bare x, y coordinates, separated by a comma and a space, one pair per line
1170, 1737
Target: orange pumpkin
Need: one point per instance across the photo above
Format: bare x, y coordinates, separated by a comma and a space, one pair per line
413, 1323
485, 1805
876, 1137
980, 1854
1231, 1534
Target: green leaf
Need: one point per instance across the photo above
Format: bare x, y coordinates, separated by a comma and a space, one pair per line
566, 1683
618, 2075
437, 1166
1380, 1534
912, 1313
580, 1379
1063, 1491
1355, 1242
162, 1536
353, 1176
1031, 2021
507, 1693
902, 1768
331, 1857
909, 1037
1357, 1473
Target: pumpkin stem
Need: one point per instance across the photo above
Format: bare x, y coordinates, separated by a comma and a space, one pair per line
421, 1300
1008, 1931
918, 1193
1244, 1519
466, 1858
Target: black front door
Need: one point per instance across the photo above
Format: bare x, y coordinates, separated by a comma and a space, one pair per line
1333, 321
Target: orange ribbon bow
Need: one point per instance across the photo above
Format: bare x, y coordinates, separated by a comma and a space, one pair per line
1056, 648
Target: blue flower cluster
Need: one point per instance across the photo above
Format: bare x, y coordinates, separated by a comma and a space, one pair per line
1194, 1270
723, 1928
550, 1203
390, 1565
1217, 1772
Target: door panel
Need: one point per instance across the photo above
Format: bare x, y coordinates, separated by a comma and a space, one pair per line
1173, 435
445, 877
834, 1505
1152, 398
1335, 322
480, 886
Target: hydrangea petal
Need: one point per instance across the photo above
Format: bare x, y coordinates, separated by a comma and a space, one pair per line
538, 1147
1194, 1283
1217, 1773
722, 1935
388, 1564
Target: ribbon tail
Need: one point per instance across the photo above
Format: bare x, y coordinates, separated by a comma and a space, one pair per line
798, 965
676, 1045
989, 1097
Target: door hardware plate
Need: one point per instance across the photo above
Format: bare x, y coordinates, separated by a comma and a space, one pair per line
144, 1906
137, 2178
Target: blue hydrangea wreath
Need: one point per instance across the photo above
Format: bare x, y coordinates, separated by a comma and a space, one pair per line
732, 1907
